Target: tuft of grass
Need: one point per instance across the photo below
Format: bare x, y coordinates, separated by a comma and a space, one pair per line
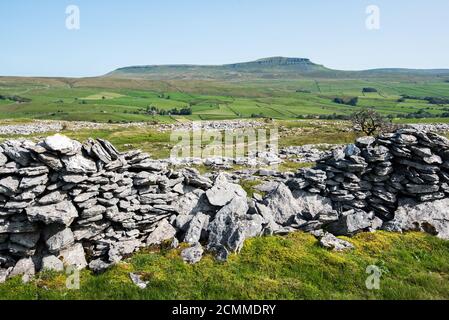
292, 166
248, 186
414, 265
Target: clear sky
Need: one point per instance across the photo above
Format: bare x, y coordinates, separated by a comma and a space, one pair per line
34, 40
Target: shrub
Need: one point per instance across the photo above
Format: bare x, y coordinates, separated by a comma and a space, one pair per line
370, 122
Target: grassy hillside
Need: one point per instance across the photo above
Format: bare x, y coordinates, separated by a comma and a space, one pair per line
268, 68
124, 100
415, 266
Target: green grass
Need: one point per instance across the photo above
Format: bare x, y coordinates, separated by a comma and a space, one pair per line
416, 266
147, 139
291, 166
158, 143
125, 100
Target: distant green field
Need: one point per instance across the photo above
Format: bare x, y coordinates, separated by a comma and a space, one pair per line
119, 100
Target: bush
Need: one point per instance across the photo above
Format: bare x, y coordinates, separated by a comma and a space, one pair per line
370, 122
431, 100
367, 90
185, 111
15, 98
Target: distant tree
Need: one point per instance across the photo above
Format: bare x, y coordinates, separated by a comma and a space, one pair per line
350, 101
437, 100
370, 122
258, 115
367, 90
15, 98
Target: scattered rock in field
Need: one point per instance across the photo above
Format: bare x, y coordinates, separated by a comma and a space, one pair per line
137, 280
331, 242
98, 266
193, 254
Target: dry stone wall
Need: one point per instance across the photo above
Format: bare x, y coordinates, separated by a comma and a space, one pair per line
63, 203
378, 182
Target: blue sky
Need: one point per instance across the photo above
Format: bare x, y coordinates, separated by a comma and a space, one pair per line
35, 42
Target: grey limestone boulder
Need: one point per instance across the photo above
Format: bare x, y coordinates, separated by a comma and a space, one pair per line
193, 254
61, 213
164, 231
52, 263
431, 217
331, 242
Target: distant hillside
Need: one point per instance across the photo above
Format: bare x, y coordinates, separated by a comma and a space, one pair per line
267, 68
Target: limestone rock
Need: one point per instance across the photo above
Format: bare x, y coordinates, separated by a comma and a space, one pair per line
29, 182
223, 192
137, 280
74, 256
312, 205
61, 213
27, 240
98, 266
62, 144
9, 185
52, 198
58, 238
24, 267
351, 222
163, 232
4, 274
196, 226
15, 151
283, 204
331, 242
193, 254
78, 164
52, 263
431, 217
